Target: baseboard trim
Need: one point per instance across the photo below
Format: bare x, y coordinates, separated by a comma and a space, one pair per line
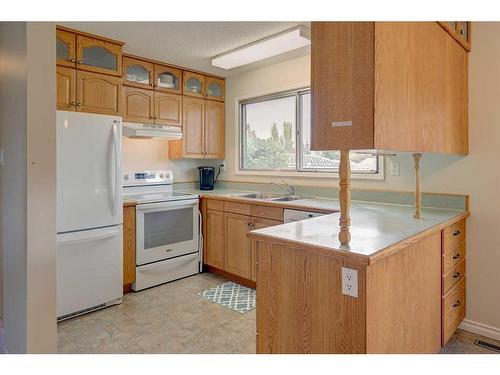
480, 329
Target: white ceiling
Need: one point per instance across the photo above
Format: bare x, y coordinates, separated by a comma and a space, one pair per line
190, 44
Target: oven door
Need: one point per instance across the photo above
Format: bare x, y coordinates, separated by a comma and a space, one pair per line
166, 230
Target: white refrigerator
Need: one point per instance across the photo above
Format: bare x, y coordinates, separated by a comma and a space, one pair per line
89, 212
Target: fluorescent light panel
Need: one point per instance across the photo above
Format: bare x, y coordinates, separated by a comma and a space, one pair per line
272, 46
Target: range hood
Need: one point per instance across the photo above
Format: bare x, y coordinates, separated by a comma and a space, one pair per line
148, 131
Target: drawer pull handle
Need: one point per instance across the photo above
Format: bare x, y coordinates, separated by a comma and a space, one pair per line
456, 233
457, 274
457, 304
456, 256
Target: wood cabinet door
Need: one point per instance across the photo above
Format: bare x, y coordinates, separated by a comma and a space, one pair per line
214, 241
137, 105
137, 73
214, 129
66, 79
259, 223
167, 109
128, 245
96, 55
167, 79
98, 93
192, 127
66, 48
238, 254
193, 84
214, 88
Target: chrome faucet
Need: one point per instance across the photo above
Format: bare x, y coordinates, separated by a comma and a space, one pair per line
285, 186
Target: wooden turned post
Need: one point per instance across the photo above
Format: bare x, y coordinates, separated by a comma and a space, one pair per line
418, 194
344, 197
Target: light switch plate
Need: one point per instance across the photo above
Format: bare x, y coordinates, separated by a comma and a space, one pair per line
350, 282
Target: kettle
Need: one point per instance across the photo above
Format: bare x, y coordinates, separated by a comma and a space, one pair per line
207, 177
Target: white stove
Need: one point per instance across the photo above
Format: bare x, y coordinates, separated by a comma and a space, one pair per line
167, 229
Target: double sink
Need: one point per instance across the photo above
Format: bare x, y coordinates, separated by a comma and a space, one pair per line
274, 197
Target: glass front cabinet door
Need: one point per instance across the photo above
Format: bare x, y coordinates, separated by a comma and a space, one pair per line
137, 73
215, 88
65, 48
194, 84
99, 56
167, 79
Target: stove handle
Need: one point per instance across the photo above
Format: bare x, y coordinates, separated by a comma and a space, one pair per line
167, 205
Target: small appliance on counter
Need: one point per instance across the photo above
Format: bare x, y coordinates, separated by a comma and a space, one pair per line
208, 179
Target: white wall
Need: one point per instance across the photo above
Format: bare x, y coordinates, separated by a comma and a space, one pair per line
477, 174
27, 123
152, 154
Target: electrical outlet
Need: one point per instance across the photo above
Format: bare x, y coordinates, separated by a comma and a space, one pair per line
394, 168
350, 282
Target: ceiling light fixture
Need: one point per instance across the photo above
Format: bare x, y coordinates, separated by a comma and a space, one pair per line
262, 49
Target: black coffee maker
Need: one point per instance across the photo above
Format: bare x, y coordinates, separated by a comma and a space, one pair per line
207, 177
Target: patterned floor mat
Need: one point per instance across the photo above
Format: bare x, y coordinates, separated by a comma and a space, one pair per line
231, 295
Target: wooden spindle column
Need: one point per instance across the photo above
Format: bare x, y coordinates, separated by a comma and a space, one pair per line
418, 194
344, 197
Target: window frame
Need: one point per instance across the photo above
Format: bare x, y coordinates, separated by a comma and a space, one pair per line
299, 170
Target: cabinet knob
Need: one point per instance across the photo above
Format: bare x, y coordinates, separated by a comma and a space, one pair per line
456, 233
78, 104
80, 62
456, 256
457, 274
456, 304
73, 103
72, 60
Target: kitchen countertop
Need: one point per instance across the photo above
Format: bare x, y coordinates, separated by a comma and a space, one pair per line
377, 229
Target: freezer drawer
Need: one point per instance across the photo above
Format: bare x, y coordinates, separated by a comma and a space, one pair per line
168, 270
89, 269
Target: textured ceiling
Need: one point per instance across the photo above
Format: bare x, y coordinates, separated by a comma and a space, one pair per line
190, 44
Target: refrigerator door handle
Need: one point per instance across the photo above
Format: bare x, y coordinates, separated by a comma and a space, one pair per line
78, 237
117, 168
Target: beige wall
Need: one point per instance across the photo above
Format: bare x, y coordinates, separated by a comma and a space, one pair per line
152, 154
477, 174
28, 176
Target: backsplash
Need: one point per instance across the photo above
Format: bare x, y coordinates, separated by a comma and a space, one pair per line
152, 154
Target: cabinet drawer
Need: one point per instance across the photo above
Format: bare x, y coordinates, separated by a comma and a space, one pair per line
267, 212
453, 309
453, 236
453, 256
237, 208
453, 276
213, 204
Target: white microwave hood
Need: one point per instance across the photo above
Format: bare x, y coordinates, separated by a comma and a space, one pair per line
148, 131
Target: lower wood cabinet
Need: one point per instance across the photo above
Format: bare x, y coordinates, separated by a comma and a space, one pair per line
214, 241
226, 226
88, 92
129, 238
238, 248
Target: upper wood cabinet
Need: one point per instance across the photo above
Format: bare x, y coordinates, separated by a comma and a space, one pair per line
66, 93
88, 52
214, 88
194, 84
167, 109
399, 86
98, 56
202, 130
214, 129
138, 105
65, 48
167, 79
137, 73
199, 85
98, 93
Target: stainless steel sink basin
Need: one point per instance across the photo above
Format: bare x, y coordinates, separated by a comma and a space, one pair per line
269, 196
